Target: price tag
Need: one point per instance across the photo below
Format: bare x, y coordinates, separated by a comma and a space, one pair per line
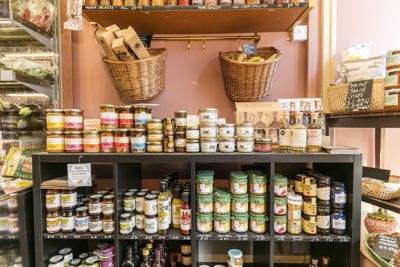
359, 95
386, 246
79, 175
249, 49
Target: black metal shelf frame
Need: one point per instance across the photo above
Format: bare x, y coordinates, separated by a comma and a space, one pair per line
127, 173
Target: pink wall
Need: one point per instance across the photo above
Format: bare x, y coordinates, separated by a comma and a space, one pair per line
367, 21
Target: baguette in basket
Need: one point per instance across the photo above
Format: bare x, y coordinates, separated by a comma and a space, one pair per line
379, 189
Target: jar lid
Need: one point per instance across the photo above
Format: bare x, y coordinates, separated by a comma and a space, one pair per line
264, 141
246, 139
125, 216
65, 251
81, 209
204, 125
294, 197
107, 106
55, 133
90, 132
141, 106
204, 217
280, 179
137, 130
83, 255
73, 132
257, 179
96, 197
124, 107
92, 260
206, 140
154, 143
54, 110
154, 121
395, 71
258, 199
150, 197
75, 262
129, 194
154, 132
121, 130
180, 133
227, 140
73, 110
235, 254
109, 197
107, 131
240, 216
141, 194
222, 197
213, 110
181, 112
56, 259
240, 198
238, 175
204, 179
258, 217
192, 140
226, 125
222, 217
205, 198
393, 52
244, 124
192, 127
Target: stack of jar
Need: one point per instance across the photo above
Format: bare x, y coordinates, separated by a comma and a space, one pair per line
9, 216
69, 212
233, 206
10, 254
102, 256
392, 81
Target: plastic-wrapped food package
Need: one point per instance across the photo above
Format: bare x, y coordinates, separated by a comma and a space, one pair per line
74, 14
39, 12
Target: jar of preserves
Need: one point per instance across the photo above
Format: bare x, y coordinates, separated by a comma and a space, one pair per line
125, 116
295, 206
169, 144
280, 205
323, 220
141, 116
54, 120
338, 222
258, 223
222, 223
53, 222
204, 222
310, 187
280, 225
53, 199
95, 204
55, 142
204, 183
82, 220
245, 145
208, 130
205, 204
263, 145
280, 186
222, 202
56, 261
13, 223
138, 140
235, 257
67, 221
140, 221
294, 227
122, 142
310, 206
108, 205
108, 117
257, 184
226, 131
227, 145
125, 224
154, 147
208, 145
169, 126
150, 205
298, 184
180, 141
129, 202
139, 202
309, 224
154, 125
91, 141
68, 198
150, 225
208, 115
393, 59
258, 204
240, 222
245, 130
240, 204
238, 182
95, 224
192, 145
180, 120
107, 141
108, 225
92, 261
338, 195
73, 142
73, 120
192, 132
324, 188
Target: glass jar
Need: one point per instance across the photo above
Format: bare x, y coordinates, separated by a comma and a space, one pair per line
226, 131
125, 116
263, 145
133, 220
105, 2
95, 204
180, 120
82, 220
192, 132
227, 145
222, 223
150, 205
67, 221
240, 222
73, 120
309, 224
280, 225
338, 222
150, 225
310, 187
73, 142
257, 184
68, 198
108, 117
295, 206
56, 261
323, 220
140, 221
208, 145
245, 145
95, 224
53, 199
208, 115
13, 223
235, 257
169, 144
169, 126
338, 195
129, 202
294, 227
324, 188
141, 116
54, 120
180, 141
91, 141
280, 205
240, 204
208, 130
245, 130
107, 141
205, 204
92, 261
154, 147
204, 183
139, 202
258, 204
154, 125
55, 142
310, 206
122, 142
108, 225
298, 184
138, 140
125, 224
280, 186
258, 223
192, 145
222, 202
238, 182
53, 222
204, 222
108, 205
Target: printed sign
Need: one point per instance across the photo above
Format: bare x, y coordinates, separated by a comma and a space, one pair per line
79, 175
249, 49
359, 95
386, 246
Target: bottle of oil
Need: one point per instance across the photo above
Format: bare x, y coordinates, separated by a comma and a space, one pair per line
285, 133
292, 120
314, 134
299, 135
163, 205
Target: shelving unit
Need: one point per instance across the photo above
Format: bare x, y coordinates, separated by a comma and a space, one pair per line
128, 172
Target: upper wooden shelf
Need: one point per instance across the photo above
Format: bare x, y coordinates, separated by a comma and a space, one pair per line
201, 19
379, 119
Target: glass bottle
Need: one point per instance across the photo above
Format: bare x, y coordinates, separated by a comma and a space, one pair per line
292, 113
176, 208
321, 116
157, 260
185, 214
145, 261
163, 204
285, 133
274, 131
128, 261
306, 109
135, 254
299, 135
314, 134
314, 262
325, 261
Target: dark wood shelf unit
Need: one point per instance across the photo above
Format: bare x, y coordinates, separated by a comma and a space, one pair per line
392, 205
232, 236
383, 119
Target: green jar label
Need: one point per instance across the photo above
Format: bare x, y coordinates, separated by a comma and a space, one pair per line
238, 176
204, 217
222, 217
240, 198
258, 217
205, 198
239, 217
258, 199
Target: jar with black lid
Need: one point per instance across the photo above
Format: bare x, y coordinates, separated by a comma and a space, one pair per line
323, 220
95, 204
310, 186
338, 195
95, 224
81, 220
323, 187
67, 221
298, 184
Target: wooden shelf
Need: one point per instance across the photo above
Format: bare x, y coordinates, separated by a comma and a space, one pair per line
201, 19
382, 119
392, 205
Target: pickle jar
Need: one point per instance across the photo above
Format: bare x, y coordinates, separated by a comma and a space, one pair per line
53, 222
257, 184
280, 186
240, 204
298, 183
91, 142
205, 204
73, 142
258, 223
141, 116
280, 205
55, 120
222, 202
258, 204
154, 147
238, 182
240, 222
138, 140
107, 141
53, 199
55, 142
73, 120
204, 222
122, 143
108, 117
204, 183
125, 116
222, 223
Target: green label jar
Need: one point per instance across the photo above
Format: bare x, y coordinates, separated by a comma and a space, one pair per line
280, 186
258, 223
240, 203
238, 182
280, 224
240, 222
205, 204
222, 223
280, 205
204, 222
204, 183
258, 204
258, 184
222, 202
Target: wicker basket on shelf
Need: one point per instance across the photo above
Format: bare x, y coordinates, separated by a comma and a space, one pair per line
248, 81
142, 79
379, 189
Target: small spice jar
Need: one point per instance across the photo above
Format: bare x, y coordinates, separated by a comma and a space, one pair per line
227, 145
68, 198
139, 202
324, 188
235, 257
205, 204
323, 220
280, 205
125, 224
338, 195
204, 222
150, 205
108, 225
295, 206
108, 205
91, 141
141, 116
208, 115
154, 125
192, 145
245, 145
240, 204
125, 116
310, 187
258, 204
138, 140
140, 221
73, 120
180, 120
298, 184
263, 145
73, 142
309, 224
208, 130
67, 221
107, 141
310, 206
257, 184
208, 145
154, 147
222, 202
258, 223
222, 224
245, 130
238, 182
129, 202
226, 131
55, 120
95, 224
240, 222
55, 142
108, 117
338, 222
280, 186
53, 199
95, 204
280, 225
53, 222
122, 142
180, 141
192, 132
82, 220
150, 225
204, 183
169, 126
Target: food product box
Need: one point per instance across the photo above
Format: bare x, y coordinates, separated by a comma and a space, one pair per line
135, 44
118, 46
105, 39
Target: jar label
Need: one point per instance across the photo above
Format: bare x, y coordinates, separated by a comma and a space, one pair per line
108, 227
150, 208
129, 205
91, 141
310, 190
205, 189
108, 208
392, 80
298, 186
150, 225
257, 227
125, 227
122, 142
208, 132
73, 122
299, 138
73, 142
240, 207
280, 190
205, 207
323, 222
138, 141
141, 118
53, 201
140, 222
284, 137
208, 117
68, 200
227, 146
340, 198
314, 137
107, 142
95, 226
245, 132
180, 142
280, 227
68, 223
55, 141
52, 224
176, 214
55, 122
258, 189
95, 208
81, 223
180, 121
310, 208
125, 119
257, 208
294, 214
239, 227
109, 118
309, 227
192, 134
338, 224
324, 193
279, 209
209, 147
192, 147
185, 219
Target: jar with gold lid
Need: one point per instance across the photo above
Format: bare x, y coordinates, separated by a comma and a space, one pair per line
122, 142
55, 142
53, 222
125, 116
141, 116
73, 142
73, 120
169, 126
54, 119
154, 147
138, 140
169, 144
91, 141
108, 117
154, 125
107, 140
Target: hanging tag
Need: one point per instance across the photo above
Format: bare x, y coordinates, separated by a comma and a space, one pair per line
249, 49
79, 174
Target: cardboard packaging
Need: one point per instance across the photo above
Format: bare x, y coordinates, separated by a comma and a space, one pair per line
118, 46
135, 44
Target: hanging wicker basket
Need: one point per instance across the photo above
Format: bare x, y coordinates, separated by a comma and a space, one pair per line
142, 79
248, 81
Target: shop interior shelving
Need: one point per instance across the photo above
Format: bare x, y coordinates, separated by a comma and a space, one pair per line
125, 171
201, 19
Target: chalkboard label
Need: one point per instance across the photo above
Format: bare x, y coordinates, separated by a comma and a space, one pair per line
386, 246
359, 95
249, 49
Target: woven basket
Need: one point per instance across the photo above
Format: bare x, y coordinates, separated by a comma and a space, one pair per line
139, 79
337, 96
245, 81
379, 189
